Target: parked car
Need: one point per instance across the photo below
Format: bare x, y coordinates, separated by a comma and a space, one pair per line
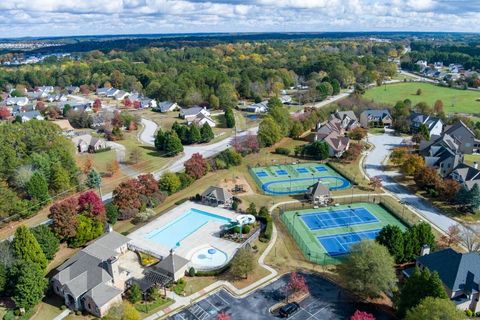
289, 309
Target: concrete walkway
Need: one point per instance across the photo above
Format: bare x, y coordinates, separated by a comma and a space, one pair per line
62, 315
182, 302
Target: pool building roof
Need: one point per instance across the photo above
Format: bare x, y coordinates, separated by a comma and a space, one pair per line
172, 264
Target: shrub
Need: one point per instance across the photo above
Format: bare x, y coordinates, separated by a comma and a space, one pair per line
284, 151
179, 202
191, 272
266, 235
469, 313
144, 216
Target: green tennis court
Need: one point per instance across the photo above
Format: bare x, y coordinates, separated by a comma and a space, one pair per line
287, 179
325, 235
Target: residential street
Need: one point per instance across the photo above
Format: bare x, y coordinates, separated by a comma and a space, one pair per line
373, 167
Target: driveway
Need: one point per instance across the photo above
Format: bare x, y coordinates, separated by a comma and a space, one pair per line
326, 301
147, 135
373, 166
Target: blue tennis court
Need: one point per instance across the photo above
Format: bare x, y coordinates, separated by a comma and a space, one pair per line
282, 172
338, 218
340, 244
321, 169
302, 170
261, 174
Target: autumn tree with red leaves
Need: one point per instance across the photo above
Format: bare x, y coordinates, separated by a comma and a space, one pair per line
137, 104
452, 237
126, 197
84, 89
4, 113
196, 167
149, 185
40, 106
87, 164
297, 284
223, 316
97, 105
362, 315
64, 218
91, 204
127, 103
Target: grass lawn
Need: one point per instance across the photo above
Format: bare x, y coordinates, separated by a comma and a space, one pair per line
471, 158
454, 100
376, 130
149, 308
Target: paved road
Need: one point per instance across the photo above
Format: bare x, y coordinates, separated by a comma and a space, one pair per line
373, 167
417, 77
147, 135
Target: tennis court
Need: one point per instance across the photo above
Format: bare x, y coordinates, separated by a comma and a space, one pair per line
340, 244
288, 179
325, 235
338, 218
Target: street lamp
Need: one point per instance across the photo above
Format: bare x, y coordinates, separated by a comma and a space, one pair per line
294, 216
290, 179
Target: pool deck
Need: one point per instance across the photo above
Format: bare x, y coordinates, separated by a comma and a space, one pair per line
203, 237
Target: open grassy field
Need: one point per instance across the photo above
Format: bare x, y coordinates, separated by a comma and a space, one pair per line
454, 100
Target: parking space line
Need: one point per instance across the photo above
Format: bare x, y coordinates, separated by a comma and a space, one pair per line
217, 295
214, 306
320, 310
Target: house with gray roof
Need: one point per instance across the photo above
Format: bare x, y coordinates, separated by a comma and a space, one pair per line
92, 279
31, 115
348, 119
464, 137
460, 274
260, 107
217, 196
466, 175
332, 133
433, 124
88, 143
190, 114
376, 118
166, 106
443, 159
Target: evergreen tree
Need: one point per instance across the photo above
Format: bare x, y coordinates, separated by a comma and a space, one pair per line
194, 135
392, 237
207, 133
268, 132
173, 145
37, 187
30, 284
94, 180
111, 211
60, 180
424, 236
47, 240
229, 118
434, 309
26, 248
419, 285
410, 245
160, 140
423, 131
335, 86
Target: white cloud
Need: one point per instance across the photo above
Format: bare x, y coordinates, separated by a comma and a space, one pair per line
65, 17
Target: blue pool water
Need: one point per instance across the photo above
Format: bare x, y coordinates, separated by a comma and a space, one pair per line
173, 233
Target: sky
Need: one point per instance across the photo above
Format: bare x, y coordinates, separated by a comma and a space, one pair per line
98, 17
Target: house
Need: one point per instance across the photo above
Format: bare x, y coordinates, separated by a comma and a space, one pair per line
201, 119
285, 99
444, 159
56, 97
348, 119
460, 274
466, 175
464, 137
217, 196
422, 64
92, 279
318, 194
147, 103
121, 95
376, 118
87, 107
435, 142
433, 124
72, 89
260, 107
30, 115
333, 134
17, 101
87, 143
107, 92
166, 106
191, 113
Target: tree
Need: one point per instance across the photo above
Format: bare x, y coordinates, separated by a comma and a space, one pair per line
412, 164
135, 155
427, 178
37, 187
268, 132
448, 189
123, 311
438, 107
194, 135
160, 140
318, 150
229, 118
335, 87
148, 184
435, 308
3, 278
399, 155
296, 284
297, 129
419, 92
63, 215
280, 115
48, 241
5, 113
87, 164
362, 315
126, 196
375, 182
170, 182
223, 316
424, 236
172, 144
87, 229
391, 237
94, 180
324, 89
470, 238
358, 133
452, 237
60, 178
134, 294
26, 248
469, 199
30, 284
368, 270
97, 105
206, 133
66, 109
91, 204
196, 167
423, 132
252, 209
421, 284
111, 213
242, 263
214, 102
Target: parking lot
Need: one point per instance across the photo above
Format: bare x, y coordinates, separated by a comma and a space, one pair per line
326, 301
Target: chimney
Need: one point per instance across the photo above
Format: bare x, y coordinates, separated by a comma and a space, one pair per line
475, 165
425, 250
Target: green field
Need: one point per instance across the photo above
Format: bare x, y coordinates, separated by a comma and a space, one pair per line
306, 238
454, 100
288, 179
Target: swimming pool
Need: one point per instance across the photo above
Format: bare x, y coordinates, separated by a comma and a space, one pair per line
173, 233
